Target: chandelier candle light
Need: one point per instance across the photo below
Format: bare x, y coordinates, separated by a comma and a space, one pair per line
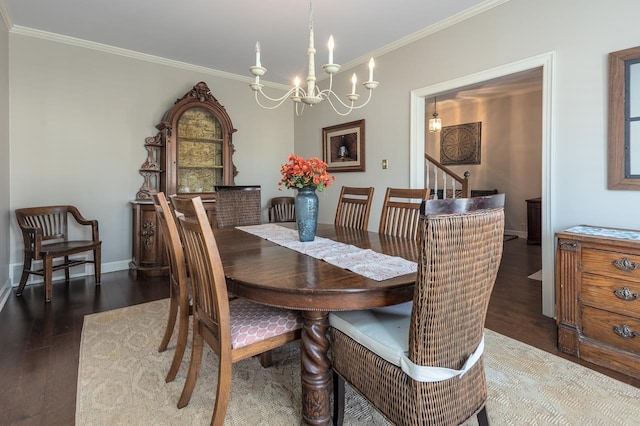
313, 95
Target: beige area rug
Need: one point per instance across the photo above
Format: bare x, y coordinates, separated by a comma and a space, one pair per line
121, 381
536, 276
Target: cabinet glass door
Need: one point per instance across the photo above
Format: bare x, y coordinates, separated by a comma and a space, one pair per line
199, 151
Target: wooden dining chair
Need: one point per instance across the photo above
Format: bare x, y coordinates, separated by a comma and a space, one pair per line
234, 329
420, 363
282, 209
401, 212
180, 303
354, 207
45, 233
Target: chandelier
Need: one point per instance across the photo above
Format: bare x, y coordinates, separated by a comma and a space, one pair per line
313, 94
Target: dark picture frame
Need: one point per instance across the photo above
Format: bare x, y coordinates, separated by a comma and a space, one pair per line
460, 144
343, 147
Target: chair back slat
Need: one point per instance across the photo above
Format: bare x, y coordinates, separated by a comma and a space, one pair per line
282, 209
208, 283
354, 207
401, 212
52, 223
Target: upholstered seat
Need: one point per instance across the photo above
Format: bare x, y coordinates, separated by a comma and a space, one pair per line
420, 363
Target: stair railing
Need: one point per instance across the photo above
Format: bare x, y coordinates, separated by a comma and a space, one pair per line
441, 176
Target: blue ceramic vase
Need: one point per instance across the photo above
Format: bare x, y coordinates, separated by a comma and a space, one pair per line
306, 204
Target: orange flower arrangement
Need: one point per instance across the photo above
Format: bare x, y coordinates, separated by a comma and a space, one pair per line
305, 173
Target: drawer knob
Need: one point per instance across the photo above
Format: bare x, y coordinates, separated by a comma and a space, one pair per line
625, 264
625, 331
625, 294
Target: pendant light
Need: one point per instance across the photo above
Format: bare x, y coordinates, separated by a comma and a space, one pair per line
435, 123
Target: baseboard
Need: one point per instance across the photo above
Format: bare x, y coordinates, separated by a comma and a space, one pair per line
5, 291
78, 271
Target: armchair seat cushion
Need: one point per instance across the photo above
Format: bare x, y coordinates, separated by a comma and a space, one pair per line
385, 332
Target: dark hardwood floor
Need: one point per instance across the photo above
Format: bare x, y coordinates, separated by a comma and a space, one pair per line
39, 343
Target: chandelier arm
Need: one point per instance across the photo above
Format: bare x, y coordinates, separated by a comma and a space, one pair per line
349, 108
326, 94
278, 101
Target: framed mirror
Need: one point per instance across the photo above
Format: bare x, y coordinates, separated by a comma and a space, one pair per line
624, 119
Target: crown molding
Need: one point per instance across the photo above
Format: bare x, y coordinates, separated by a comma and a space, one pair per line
58, 38
6, 16
439, 26
418, 35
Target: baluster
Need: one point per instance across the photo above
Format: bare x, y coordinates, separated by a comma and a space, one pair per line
428, 166
444, 185
453, 189
435, 182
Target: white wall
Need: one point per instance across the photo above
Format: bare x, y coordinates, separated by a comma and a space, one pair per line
79, 119
511, 148
580, 34
5, 209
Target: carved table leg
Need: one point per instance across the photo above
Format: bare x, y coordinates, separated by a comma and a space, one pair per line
315, 370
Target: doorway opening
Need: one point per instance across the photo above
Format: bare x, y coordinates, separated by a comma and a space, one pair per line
417, 149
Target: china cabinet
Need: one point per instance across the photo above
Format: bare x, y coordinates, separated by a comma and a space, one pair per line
191, 154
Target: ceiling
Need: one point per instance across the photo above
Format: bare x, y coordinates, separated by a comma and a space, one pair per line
221, 34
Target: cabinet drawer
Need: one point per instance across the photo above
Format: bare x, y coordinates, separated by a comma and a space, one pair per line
599, 291
604, 263
599, 325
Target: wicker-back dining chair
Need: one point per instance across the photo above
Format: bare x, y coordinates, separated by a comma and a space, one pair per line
401, 212
234, 329
354, 207
420, 363
179, 300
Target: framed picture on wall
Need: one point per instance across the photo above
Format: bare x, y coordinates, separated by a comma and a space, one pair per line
343, 147
460, 144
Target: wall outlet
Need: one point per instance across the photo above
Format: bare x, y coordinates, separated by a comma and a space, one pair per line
523, 226
385, 164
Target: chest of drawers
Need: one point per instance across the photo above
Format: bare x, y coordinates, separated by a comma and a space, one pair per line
598, 296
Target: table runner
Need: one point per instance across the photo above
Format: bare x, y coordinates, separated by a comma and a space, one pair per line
365, 262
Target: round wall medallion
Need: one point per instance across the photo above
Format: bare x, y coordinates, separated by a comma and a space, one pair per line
460, 144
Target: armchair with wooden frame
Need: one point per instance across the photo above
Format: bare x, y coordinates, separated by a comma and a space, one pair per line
45, 232
421, 362
354, 207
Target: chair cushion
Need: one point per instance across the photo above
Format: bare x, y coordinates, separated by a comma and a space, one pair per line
385, 332
252, 322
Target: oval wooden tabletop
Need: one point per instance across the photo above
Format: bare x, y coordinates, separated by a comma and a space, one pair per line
268, 273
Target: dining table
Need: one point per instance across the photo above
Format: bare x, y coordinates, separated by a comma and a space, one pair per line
268, 273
